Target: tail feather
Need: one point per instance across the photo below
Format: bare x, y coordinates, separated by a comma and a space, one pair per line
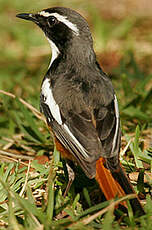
123, 180
108, 184
116, 184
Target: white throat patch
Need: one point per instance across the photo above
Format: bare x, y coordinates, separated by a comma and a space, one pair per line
62, 19
55, 51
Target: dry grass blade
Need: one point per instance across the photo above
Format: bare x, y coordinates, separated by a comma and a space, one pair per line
122, 153
8, 146
18, 156
26, 179
111, 206
29, 106
10, 159
134, 176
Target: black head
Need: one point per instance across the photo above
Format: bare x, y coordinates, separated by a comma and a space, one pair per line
62, 26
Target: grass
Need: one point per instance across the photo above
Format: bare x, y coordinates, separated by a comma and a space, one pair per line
32, 178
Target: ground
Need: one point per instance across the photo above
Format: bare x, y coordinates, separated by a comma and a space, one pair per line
32, 179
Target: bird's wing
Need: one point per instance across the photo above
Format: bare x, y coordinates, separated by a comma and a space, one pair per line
82, 122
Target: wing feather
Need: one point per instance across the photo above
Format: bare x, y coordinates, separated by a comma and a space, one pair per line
90, 123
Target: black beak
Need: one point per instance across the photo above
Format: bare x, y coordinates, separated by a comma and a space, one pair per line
30, 17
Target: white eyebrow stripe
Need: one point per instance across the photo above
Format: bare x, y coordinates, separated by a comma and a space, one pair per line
62, 19
44, 14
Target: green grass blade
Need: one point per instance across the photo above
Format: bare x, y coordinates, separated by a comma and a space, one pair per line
31, 122
50, 202
134, 146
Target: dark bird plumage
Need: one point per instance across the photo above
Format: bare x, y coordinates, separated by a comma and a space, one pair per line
79, 101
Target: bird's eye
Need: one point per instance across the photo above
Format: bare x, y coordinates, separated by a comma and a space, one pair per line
52, 21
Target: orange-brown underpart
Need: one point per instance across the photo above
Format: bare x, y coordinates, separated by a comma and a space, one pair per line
64, 152
109, 186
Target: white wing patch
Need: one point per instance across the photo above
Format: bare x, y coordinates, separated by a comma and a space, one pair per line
62, 19
55, 111
117, 122
55, 51
82, 150
50, 101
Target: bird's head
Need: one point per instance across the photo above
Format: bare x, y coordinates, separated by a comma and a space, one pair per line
64, 28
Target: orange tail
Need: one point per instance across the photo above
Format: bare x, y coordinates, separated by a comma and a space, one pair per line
108, 184
116, 184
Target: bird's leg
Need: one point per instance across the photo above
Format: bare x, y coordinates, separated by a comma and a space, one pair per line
71, 176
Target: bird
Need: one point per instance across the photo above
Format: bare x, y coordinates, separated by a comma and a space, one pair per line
80, 104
